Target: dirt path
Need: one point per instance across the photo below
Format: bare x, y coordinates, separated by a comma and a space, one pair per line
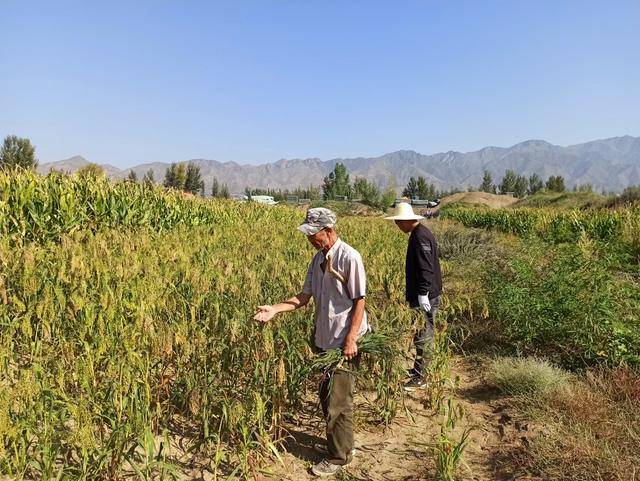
497, 436
404, 451
398, 452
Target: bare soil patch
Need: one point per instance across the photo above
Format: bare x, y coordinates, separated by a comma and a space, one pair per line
480, 198
404, 450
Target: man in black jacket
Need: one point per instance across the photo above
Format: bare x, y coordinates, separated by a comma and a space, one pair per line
423, 286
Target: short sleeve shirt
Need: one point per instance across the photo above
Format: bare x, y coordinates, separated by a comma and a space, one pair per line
334, 298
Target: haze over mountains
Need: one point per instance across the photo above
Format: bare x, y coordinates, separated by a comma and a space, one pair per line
610, 164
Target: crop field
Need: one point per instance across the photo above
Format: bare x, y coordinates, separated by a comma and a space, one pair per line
618, 226
126, 320
570, 290
127, 313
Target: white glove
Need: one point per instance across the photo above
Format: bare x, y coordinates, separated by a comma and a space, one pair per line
423, 301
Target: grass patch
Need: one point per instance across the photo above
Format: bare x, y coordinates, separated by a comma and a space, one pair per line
591, 429
457, 243
526, 376
567, 200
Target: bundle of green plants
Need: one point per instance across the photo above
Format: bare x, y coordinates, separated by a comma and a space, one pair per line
375, 344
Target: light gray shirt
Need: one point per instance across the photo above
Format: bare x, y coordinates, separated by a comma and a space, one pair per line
334, 291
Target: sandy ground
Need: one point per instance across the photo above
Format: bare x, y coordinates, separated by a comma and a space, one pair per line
497, 435
404, 450
397, 452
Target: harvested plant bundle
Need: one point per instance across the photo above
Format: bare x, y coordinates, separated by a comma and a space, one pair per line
375, 344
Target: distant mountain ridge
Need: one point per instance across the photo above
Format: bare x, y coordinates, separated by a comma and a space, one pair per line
611, 164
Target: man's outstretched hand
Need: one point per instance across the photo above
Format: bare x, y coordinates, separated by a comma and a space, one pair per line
264, 314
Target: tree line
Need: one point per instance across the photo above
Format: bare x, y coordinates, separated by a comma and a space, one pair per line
337, 185
519, 185
280, 195
18, 152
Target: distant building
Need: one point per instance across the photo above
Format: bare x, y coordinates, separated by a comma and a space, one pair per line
263, 199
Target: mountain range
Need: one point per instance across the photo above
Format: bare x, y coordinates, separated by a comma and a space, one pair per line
610, 164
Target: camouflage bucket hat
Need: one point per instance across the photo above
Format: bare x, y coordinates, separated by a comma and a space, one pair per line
316, 220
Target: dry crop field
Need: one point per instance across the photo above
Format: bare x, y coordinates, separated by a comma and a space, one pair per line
126, 316
126, 323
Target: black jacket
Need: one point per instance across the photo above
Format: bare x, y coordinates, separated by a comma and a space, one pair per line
422, 266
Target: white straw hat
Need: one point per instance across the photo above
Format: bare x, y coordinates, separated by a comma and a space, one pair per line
404, 211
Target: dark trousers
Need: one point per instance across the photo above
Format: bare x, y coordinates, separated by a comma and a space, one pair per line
336, 397
423, 339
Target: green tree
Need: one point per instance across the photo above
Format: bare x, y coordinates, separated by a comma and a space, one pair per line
148, 178
132, 177
367, 191
224, 192
313, 192
535, 184
487, 183
215, 188
388, 198
508, 183
425, 191
193, 182
418, 188
17, 152
422, 188
521, 186
411, 189
336, 183
583, 188
555, 183
90, 171
175, 177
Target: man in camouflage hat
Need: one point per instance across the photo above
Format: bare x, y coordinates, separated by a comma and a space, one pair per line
336, 282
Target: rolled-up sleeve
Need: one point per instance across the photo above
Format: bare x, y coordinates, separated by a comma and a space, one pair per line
356, 279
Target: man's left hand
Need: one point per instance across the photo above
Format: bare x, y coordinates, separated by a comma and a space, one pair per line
350, 348
424, 303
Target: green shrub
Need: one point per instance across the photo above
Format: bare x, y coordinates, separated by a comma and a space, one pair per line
566, 303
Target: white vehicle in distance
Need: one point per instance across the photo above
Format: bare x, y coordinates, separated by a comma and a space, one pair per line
263, 199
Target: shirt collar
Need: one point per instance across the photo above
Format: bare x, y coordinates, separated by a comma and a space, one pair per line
334, 248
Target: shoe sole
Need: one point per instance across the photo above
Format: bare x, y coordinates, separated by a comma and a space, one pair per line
413, 389
323, 474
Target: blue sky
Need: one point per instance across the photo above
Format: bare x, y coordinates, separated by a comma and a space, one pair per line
255, 81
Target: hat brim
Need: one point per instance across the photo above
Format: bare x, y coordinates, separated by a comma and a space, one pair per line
404, 217
308, 229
